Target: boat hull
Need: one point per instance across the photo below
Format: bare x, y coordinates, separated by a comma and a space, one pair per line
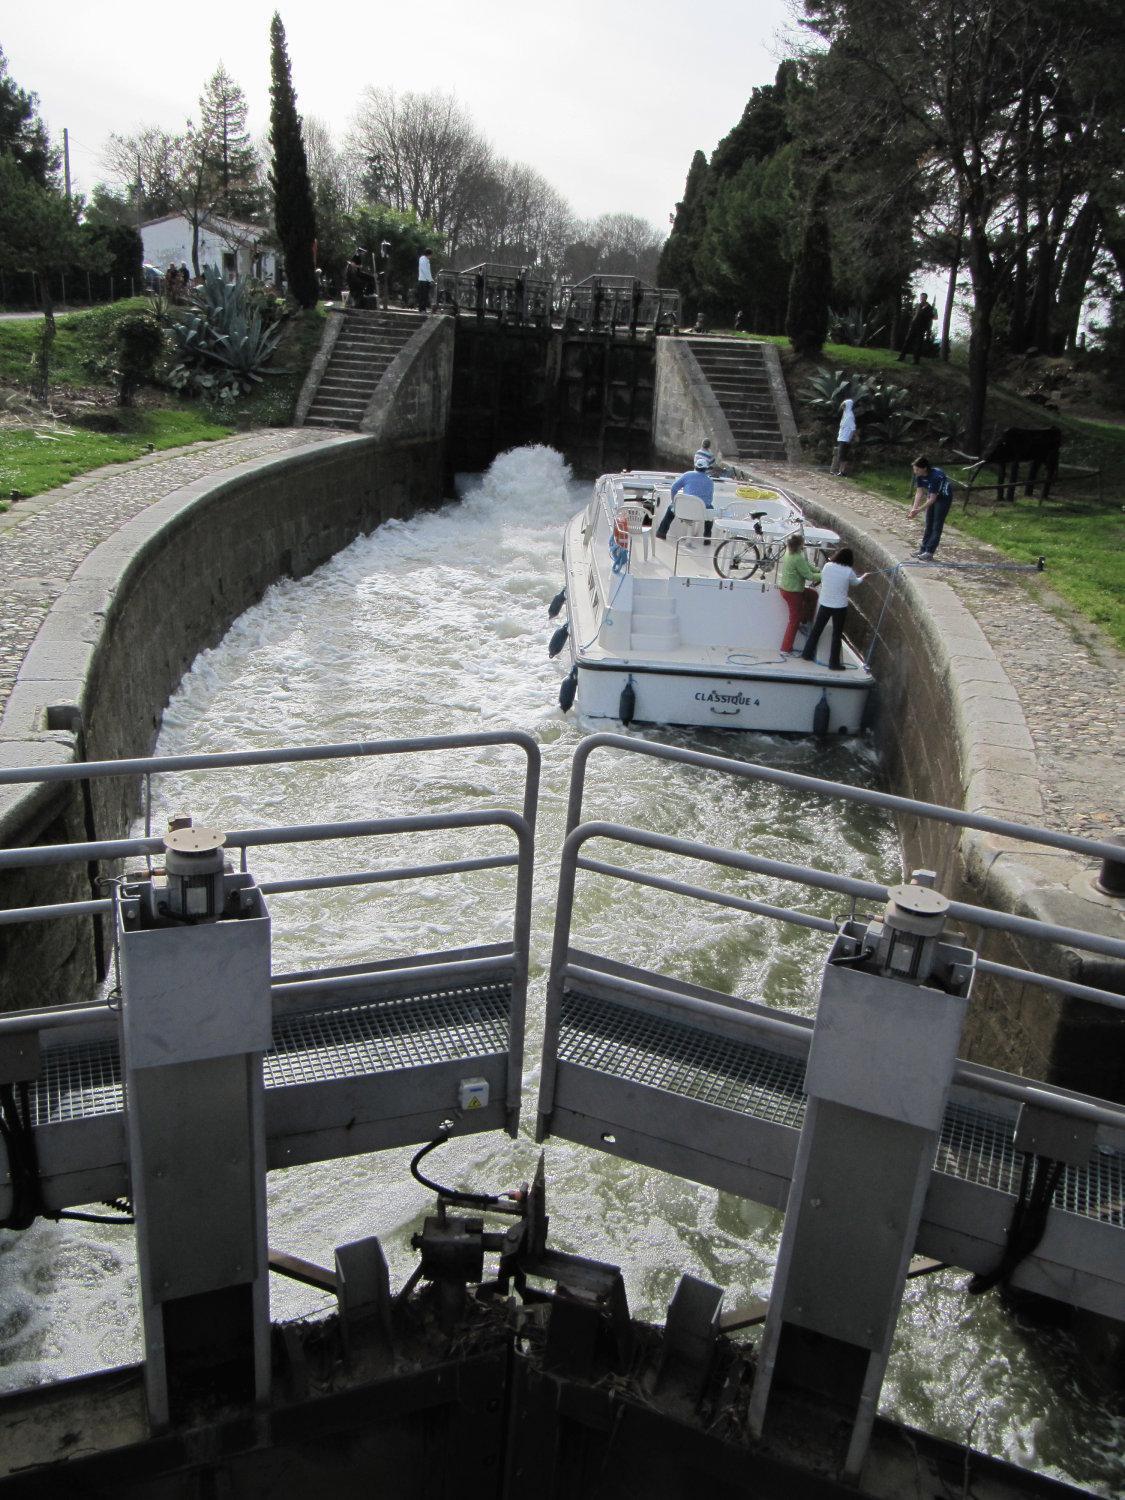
759, 704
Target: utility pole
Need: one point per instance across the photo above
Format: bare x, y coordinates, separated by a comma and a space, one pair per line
66, 162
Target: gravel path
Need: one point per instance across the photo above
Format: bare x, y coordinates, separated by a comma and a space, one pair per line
43, 541
1069, 676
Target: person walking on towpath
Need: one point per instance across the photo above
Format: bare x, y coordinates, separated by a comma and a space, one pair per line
836, 578
425, 282
697, 481
918, 329
844, 438
933, 493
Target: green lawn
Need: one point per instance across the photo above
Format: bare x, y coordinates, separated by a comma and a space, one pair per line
81, 340
39, 457
36, 459
1085, 550
837, 356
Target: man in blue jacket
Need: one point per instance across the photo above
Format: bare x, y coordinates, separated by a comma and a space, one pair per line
933, 493
697, 481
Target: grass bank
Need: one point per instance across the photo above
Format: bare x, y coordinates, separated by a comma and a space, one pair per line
83, 429
38, 458
1084, 550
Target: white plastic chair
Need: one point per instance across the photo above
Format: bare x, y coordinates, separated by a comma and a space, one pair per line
691, 514
634, 513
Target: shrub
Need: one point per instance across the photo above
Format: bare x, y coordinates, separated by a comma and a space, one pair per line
138, 341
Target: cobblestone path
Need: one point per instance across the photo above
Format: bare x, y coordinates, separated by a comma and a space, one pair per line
1069, 676
43, 541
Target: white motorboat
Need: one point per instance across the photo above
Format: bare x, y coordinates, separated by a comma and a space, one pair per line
688, 629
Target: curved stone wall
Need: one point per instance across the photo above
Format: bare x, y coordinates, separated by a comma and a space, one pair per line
951, 729
134, 616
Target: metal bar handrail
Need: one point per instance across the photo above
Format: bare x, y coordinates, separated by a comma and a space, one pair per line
846, 885
251, 838
522, 827
823, 924
231, 759
571, 861
1094, 848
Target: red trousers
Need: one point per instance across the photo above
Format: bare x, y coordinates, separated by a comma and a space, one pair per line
802, 606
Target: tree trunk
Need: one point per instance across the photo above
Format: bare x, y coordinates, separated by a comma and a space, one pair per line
952, 289
980, 339
1018, 334
195, 247
1081, 251
46, 337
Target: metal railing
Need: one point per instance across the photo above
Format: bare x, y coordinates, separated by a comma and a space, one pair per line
578, 834
525, 295
521, 825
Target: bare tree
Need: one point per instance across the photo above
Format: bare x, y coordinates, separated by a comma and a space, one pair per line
615, 245
168, 173
421, 153
518, 217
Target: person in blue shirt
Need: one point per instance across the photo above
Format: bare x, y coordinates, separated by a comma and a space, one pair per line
697, 481
933, 493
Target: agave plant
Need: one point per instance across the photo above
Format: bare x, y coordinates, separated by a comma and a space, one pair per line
826, 390
221, 335
947, 427
887, 417
854, 327
247, 346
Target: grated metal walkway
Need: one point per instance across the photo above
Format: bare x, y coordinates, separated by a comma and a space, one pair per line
762, 1084
82, 1081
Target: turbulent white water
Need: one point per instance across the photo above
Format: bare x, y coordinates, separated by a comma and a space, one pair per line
438, 625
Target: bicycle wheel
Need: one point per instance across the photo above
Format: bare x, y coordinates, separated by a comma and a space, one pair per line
737, 558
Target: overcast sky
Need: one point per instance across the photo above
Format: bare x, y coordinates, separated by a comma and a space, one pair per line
607, 98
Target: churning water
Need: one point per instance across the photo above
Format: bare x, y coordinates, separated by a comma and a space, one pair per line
438, 625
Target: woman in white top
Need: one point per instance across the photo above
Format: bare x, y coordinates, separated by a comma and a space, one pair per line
844, 438
836, 578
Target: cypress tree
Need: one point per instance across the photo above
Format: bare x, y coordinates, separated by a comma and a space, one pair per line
294, 215
677, 259
810, 289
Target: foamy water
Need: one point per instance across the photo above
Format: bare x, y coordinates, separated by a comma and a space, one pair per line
439, 625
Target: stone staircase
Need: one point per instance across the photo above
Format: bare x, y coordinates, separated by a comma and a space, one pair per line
365, 346
736, 372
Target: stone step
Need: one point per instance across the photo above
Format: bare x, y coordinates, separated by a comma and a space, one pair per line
339, 408
344, 376
374, 340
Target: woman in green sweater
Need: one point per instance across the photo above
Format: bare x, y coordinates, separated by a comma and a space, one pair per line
793, 571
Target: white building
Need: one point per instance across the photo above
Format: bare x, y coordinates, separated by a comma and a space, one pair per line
234, 247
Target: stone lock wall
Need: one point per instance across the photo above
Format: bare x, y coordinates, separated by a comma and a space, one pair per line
951, 730
136, 614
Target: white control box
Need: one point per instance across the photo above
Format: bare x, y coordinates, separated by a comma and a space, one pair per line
472, 1093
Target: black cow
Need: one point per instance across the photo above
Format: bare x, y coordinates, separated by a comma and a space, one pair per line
1018, 445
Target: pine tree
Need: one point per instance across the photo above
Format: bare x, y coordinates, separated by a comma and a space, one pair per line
230, 157
294, 215
23, 136
810, 290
